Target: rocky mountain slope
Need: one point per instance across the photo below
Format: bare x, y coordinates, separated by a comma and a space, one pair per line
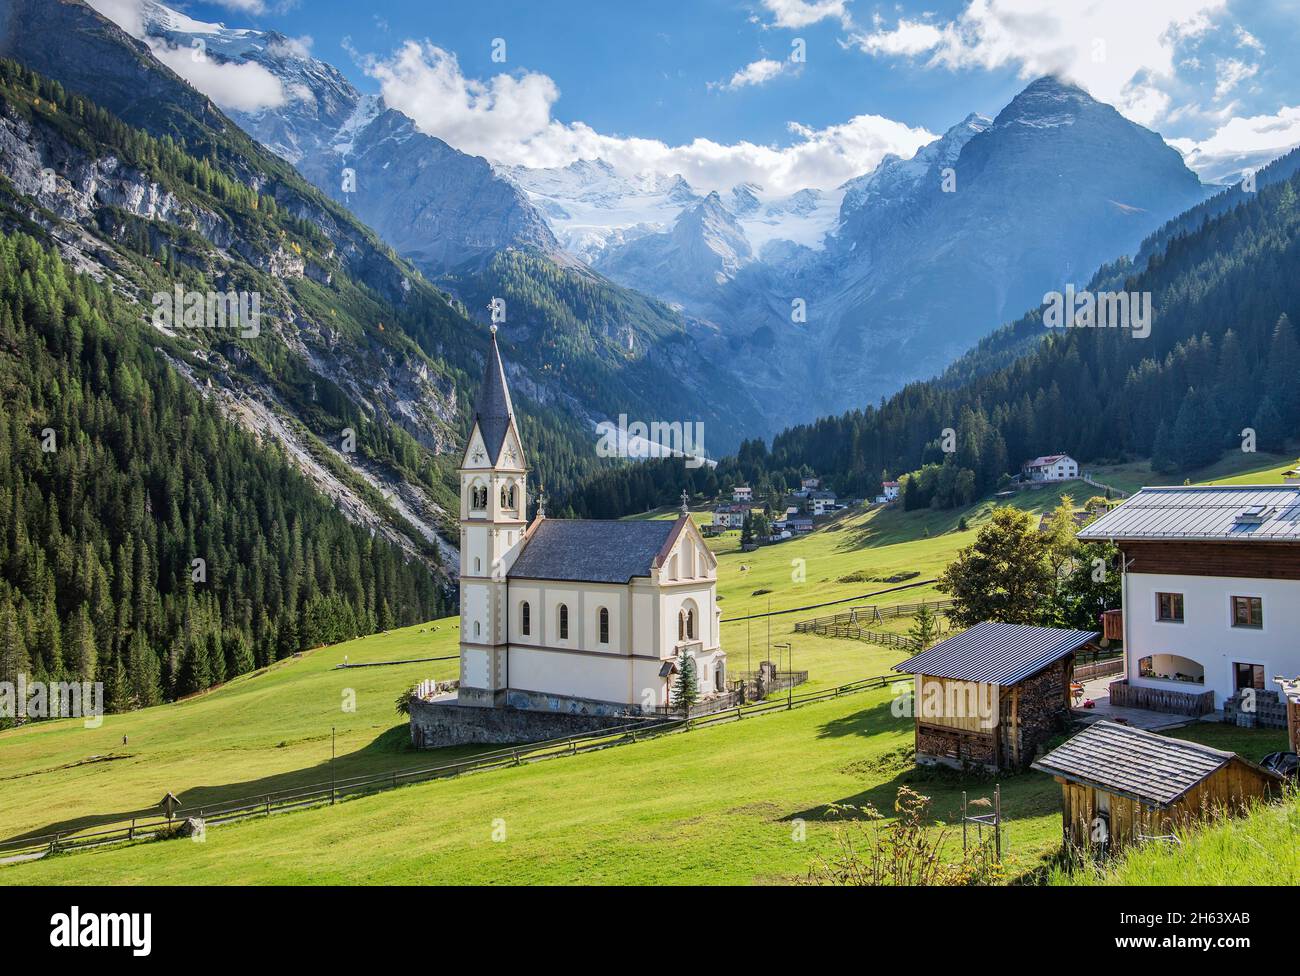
930, 253
162, 190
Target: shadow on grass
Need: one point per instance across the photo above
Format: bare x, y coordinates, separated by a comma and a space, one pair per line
388, 752
876, 720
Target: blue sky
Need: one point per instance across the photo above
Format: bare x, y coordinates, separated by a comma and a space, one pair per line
709, 88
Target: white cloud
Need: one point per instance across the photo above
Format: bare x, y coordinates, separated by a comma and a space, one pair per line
794, 14
1246, 39
294, 47
508, 119
242, 6
1229, 73
755, 73
244, 87
127, 14
1122, 51
1264, 136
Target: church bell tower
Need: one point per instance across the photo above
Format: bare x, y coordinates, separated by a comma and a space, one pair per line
493, 517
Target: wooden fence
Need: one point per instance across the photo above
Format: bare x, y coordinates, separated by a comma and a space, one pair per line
857, 616
1161, 699
1097, 669
1087, 479
330, 792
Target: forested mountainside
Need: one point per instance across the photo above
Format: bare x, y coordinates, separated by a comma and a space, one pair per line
1222, 355
148, 542
353, 336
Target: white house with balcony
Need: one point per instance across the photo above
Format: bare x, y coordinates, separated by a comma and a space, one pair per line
1211, 592
572, 615
1050, 467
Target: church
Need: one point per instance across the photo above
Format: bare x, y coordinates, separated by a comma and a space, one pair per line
578, 616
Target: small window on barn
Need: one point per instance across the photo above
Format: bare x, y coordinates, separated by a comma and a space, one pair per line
564, 621
1247, 611
1169, 607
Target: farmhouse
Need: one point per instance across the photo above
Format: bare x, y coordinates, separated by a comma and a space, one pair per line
889, 490
742, 493
991, 695
730, 516
820, 502
1211, 597
1050, 467
1120, 785
571, 615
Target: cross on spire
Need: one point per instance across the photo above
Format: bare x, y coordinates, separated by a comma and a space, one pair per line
685, 503
541, 504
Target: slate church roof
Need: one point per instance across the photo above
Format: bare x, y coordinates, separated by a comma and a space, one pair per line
593, 551
493, 409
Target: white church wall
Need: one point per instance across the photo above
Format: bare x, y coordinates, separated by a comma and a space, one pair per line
602, 677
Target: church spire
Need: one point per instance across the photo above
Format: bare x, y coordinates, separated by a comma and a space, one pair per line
493, 411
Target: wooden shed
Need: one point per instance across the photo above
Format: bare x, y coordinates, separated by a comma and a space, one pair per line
991, 695
1121, 785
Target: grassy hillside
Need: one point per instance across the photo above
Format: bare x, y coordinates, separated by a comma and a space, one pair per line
1260, 849
1234, 468
714, 805
264, 731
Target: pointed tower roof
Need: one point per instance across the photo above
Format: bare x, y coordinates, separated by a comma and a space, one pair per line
493, 410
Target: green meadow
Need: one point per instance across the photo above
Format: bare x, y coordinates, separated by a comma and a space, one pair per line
743, 802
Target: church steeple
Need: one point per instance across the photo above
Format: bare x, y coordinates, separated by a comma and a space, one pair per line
493, 519
493, 412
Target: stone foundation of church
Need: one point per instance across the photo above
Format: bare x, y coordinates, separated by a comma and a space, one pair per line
529, 717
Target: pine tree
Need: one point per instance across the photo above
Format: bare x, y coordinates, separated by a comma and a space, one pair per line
924, 627
686, 690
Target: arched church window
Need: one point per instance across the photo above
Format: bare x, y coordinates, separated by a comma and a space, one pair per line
478, 496
604, 625
525, 618
690, 624
681, 625
508, 496
564, 621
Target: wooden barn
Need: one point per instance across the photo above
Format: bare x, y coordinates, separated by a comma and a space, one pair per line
991, 695
1121, 785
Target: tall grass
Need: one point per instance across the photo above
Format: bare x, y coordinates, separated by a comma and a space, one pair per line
1260, 847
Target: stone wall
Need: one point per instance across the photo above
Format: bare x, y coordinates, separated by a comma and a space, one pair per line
445, 722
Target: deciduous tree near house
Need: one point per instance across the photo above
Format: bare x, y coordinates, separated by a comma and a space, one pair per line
1005, 575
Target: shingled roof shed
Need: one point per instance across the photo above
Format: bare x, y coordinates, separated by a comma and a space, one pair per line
1120, 784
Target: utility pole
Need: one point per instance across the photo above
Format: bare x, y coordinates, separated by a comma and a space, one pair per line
333, 775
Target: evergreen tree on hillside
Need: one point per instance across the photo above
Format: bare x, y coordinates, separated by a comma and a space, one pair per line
1197, 438
924, 627
686, 689
1270, 433
1283, 370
